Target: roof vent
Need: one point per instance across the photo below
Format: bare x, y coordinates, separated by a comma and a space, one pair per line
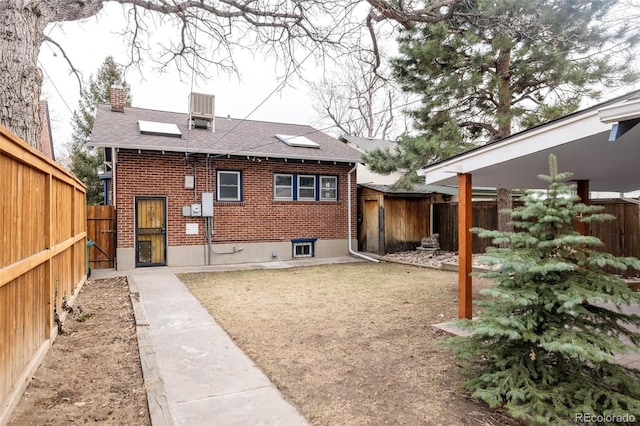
201, 110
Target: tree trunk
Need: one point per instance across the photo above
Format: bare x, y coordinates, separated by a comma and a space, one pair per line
503, 110
504, 129
505, 201
20, 78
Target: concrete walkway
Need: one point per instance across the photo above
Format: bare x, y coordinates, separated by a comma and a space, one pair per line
194, 374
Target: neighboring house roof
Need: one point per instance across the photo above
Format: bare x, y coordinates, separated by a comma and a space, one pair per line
490, 193
46, 138
431, 190
231, 137
597, 144
366, 145
415, 191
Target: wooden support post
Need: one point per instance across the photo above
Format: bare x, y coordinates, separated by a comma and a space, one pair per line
464, 246
583, 193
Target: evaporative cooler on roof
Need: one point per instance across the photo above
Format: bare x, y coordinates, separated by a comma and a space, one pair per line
202, 110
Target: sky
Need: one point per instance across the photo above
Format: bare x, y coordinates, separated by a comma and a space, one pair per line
88, 43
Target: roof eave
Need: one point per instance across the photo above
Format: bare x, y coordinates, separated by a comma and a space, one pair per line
229, 153
521, 144
621, 112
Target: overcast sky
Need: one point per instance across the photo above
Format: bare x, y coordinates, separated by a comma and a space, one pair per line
88, 43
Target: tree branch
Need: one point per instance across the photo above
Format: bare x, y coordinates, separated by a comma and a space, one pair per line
74, 70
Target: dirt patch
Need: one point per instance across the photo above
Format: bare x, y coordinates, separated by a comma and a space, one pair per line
92, 372
350, 344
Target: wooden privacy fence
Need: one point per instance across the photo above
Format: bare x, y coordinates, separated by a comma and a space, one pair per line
42, 259
101, 229
621, 237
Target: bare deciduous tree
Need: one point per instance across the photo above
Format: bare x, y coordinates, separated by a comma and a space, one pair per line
361, 102
207, 30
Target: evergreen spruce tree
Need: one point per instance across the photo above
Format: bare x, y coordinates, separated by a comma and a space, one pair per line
86, 161
543, 346
502, 66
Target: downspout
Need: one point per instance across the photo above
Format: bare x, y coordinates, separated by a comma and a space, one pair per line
114, 154
629, 200
351, 251
207, 178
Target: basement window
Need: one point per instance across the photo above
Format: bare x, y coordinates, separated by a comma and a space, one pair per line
303, 247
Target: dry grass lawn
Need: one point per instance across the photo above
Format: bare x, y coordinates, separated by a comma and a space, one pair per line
349, 344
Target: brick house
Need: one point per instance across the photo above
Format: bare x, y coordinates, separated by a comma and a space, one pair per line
195, 189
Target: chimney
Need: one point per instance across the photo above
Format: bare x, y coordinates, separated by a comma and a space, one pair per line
117, 98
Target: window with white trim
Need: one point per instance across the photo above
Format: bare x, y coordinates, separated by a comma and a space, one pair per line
295, 187
303, 247
282, 187
229, 185
302, 250
306, 187
328, 188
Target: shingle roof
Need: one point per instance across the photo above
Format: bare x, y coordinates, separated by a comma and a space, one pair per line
368, 144
231, 136
388, 189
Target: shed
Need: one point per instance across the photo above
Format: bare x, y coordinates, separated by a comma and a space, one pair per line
392, 220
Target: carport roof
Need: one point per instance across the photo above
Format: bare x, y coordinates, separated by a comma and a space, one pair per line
579, 140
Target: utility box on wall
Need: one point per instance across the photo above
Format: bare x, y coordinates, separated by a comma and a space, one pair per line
196, 210
189, 182
207, 204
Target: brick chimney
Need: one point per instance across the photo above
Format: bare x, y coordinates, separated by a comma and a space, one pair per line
117, 98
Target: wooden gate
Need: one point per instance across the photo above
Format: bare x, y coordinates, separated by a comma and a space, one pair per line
101, 229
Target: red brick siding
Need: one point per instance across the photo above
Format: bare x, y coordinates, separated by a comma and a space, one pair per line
256, 218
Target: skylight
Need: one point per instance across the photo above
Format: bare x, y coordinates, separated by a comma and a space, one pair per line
299, 141
159, 129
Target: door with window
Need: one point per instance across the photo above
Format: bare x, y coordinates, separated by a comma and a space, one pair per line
151, 235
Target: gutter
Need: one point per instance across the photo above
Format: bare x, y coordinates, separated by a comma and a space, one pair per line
629, 200
351, 251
